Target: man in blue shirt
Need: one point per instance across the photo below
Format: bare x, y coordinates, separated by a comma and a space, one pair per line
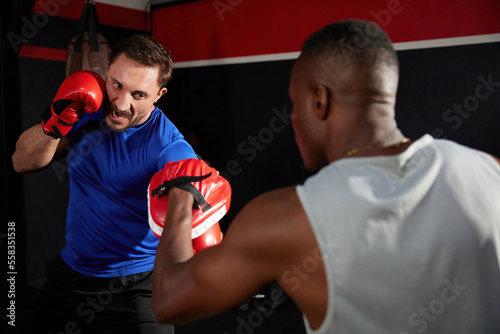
117, 140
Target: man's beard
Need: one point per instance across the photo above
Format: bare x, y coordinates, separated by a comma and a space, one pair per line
109, 112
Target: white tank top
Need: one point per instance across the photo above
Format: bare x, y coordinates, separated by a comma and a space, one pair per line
410, 243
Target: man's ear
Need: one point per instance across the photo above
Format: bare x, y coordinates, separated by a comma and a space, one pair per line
160, 93
321, 100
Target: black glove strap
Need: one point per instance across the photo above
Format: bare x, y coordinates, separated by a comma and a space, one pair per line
58, 106
184, 182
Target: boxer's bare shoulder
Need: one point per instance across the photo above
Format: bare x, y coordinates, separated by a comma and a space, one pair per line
273, 234
269, 240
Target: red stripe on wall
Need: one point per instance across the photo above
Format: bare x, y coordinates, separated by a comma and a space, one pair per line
38, 52
108, 14
215, 29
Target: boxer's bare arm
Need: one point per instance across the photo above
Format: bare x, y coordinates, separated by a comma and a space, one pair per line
35, 150
267, 241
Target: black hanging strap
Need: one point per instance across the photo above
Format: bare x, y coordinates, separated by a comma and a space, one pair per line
80, 28
89, 21
93, 28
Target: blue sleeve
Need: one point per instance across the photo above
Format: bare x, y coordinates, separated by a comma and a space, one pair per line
177, 150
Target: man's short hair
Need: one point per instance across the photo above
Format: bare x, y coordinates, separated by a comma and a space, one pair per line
357, 42
144, 50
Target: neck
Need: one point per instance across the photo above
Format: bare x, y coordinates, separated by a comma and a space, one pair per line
367, 136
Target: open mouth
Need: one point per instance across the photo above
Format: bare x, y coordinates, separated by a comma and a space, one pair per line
118, 115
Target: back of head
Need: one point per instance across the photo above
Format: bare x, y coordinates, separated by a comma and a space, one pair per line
144, 50
354, 67
354, 42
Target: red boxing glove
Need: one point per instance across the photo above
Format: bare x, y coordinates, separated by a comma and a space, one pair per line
211, 192
81, 91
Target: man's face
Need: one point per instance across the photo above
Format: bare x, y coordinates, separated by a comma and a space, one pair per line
132, 89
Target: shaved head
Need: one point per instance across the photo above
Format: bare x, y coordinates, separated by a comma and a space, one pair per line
355, 43
355, 59
343, 86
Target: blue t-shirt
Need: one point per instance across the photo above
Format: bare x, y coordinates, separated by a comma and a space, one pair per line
107, 230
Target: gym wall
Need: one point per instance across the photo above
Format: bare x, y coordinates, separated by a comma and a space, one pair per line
232, 63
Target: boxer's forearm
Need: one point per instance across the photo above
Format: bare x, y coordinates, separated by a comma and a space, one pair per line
34, 150
174, 249
175, 244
